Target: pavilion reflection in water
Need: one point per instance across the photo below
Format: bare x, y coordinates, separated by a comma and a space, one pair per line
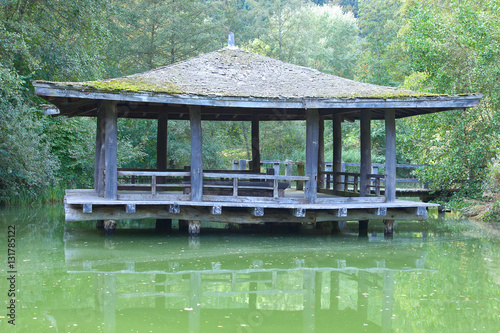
248, 290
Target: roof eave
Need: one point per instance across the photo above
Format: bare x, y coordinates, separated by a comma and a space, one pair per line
442, 102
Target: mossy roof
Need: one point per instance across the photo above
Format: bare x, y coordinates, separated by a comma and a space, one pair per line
233, 77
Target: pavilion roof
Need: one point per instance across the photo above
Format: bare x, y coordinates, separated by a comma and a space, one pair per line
237, 83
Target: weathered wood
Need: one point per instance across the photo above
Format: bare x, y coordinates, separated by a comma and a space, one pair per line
130, 208
196, 154
174, 209
337, 150
257, 211
161, 143
389, 227
321, 154
426, 104
110, 143
99, 154
87, 208
312, 147
216, 210
366, 159
390, 155
244, 216
380, 211
300, 172
255, 145
299, 212
342, 212
194, 227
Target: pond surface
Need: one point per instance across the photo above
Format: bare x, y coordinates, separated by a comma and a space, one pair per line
438, 276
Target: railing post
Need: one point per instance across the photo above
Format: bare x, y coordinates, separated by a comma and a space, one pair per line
196, 154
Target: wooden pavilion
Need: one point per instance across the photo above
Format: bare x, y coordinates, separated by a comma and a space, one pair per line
235, 85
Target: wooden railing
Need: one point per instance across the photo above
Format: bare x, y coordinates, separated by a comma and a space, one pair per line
149, 179
350, 182
215, 182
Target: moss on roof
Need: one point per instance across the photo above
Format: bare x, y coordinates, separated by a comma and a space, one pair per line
232, 72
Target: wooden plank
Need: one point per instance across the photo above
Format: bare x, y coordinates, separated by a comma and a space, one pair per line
390, 155
312, 147
366, 158
196, 154
110, 144
155, 173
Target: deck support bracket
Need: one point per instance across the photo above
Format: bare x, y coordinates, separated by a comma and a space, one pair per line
87, 208
380, 211
174, 209
419, 211
299, 212
341, 212
257, 211
216, 210
130, 208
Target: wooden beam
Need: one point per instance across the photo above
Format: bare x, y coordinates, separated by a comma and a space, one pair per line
110, 143
196, 154
390, 155
161, 142
216, 210
174, 209
337, 149
99, 154
366, 158
321, 154
255, 144
312, 148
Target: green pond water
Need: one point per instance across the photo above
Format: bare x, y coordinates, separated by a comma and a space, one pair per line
439, 276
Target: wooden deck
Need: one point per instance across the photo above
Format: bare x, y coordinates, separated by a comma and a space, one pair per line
84, 205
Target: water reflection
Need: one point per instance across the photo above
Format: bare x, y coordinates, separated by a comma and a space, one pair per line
439, 276
221, 282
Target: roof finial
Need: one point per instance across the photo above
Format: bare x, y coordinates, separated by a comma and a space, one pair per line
230, 41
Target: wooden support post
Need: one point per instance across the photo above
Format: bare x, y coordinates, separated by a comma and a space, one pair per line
390, 155
366, 159
194, 227
337, 151
196, 154
110, 143
99, 154
312, 147
161, 145
163, 224
389, 227
363, 228
255, 145
321, 154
